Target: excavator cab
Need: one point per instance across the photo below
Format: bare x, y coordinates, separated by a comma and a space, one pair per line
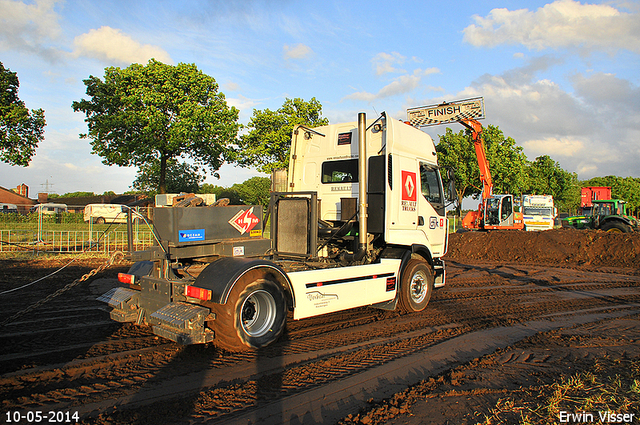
498, 212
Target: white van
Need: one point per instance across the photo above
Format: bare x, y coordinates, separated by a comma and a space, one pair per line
105, 213
49, 208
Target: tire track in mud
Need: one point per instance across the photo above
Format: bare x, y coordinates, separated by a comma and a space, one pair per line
314, 355
325, 405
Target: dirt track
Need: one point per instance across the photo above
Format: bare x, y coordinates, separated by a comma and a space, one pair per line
519, 310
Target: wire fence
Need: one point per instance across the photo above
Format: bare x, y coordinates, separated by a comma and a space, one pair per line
68, 232
72, 241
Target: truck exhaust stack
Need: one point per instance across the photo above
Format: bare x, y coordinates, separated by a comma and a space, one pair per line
362, 182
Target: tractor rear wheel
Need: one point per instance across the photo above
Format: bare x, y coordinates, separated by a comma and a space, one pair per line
616, 226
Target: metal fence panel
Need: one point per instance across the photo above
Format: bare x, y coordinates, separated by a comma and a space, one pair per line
59, 241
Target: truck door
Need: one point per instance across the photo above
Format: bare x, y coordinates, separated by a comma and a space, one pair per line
431, 208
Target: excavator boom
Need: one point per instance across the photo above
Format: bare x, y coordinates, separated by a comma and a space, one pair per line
483, 163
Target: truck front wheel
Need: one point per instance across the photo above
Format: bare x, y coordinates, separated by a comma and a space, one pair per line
416, 286
253, 317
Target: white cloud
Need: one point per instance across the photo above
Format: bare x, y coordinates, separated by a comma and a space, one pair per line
563, 23
400, 85
244, 105
30, 27
71, 167
384, 63
230, 86
594, 130
553, 146
298, 51
112, 45
590, 170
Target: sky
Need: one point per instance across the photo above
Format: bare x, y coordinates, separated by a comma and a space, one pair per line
559, 77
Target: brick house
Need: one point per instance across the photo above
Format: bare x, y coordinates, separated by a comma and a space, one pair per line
18, 197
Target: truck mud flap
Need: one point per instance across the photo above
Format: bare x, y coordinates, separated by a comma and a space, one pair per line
124, 304
439, 273
182, 323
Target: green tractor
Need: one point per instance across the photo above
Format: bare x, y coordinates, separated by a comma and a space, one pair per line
609, 215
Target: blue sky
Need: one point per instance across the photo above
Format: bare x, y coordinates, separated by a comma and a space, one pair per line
560, 77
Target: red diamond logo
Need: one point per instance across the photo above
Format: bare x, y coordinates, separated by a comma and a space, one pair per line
408, 186
244, 221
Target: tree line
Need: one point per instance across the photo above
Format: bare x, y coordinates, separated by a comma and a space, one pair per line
513, 173
174, 124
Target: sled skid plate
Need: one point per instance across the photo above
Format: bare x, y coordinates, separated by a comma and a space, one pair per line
124, 303
182, 323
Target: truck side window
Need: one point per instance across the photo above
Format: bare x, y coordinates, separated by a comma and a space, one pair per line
430, 183
344, 171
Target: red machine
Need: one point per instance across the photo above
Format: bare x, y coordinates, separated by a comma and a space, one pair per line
593, 193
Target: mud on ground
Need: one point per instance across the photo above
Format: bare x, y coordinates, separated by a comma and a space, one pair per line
551, 274
559, 247
520, 383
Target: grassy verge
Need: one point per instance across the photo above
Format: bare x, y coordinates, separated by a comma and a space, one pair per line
608, 387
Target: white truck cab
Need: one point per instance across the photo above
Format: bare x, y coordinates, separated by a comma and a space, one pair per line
538, 212
406, 202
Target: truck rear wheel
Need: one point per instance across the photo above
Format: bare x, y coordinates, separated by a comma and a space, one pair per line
253, 317
416, 286
616, 226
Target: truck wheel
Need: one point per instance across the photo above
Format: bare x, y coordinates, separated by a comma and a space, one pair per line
253, 317
416, 286
100, 220
616, 226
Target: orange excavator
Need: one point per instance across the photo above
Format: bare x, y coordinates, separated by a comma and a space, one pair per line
494, 211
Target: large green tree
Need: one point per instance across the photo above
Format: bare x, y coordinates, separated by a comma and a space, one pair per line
156, 113
266, 146
20, 129
455, 151
254, 191
546, 177
507, 162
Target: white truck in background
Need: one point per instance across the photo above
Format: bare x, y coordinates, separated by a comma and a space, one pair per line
538, 212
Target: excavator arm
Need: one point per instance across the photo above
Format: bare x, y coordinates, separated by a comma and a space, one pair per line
483, 163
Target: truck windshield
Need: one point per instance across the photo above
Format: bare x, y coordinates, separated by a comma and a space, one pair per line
537, 211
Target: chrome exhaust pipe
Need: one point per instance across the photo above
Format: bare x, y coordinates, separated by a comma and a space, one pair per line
362, 180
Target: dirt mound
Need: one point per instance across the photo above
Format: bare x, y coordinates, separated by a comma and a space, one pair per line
553, 247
